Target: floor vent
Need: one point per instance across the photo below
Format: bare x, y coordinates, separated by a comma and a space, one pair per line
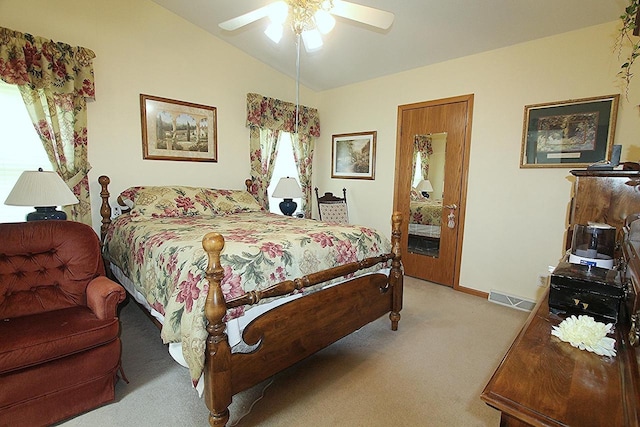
511, 301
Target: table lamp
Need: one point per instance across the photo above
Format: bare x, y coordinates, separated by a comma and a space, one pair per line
424, 187
44, 190
287, 189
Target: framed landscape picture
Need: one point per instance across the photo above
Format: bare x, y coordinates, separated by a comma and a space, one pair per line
177, 130
354, 155
574, 133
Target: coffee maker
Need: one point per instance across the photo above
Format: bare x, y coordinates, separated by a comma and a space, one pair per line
593, 245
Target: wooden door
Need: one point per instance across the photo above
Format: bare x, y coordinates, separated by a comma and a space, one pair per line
432, 251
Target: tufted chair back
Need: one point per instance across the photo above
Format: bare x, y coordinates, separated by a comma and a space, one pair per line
332, 208
46, 265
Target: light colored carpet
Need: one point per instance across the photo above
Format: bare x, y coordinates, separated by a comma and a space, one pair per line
428, 373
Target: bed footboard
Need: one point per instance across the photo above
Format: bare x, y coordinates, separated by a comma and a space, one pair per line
295, 330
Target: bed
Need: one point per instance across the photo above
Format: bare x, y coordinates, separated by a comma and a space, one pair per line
303, 284
425, 217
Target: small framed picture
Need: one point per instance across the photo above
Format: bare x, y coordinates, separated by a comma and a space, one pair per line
354, 155
177, 130
569, 134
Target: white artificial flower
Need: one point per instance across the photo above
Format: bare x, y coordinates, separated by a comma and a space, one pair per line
585, 333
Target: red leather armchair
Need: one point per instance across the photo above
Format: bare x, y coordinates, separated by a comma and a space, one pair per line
59, 330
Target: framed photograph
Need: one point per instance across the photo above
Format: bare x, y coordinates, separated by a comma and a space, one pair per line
177, 130
354, 155
574, 133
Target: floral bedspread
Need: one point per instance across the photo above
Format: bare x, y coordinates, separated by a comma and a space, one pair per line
165, 259
425, 211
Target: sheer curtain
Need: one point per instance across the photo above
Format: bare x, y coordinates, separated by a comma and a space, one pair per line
55, 81
267, 117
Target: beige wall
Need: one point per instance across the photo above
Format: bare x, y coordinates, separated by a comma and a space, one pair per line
143, 48
515, 218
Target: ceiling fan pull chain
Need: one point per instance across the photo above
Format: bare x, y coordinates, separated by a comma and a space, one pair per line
297, 82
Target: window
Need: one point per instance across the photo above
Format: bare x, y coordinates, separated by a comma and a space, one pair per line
21, 149
285, 166
417, 171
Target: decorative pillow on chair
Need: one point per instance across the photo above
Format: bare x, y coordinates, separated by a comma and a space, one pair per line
334, 212
231, 201
169, 201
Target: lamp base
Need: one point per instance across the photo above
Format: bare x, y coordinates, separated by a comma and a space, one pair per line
288, 207
47, 212
425, 194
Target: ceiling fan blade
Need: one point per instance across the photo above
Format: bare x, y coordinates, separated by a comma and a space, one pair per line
365, 14
247, 18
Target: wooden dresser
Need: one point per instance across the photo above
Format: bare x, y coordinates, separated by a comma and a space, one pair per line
543, 381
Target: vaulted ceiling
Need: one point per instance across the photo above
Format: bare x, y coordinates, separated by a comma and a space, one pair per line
424, 32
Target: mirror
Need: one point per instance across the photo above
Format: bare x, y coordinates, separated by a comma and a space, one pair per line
427, 190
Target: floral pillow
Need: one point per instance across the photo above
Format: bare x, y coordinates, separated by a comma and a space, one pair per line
231, 201
166, 201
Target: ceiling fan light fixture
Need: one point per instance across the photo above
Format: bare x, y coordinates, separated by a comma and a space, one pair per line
274, 31
278, 12
324, 21
312, 40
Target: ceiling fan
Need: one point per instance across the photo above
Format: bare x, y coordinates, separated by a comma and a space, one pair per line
309, 18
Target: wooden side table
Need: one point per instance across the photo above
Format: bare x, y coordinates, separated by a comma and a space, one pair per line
543, 381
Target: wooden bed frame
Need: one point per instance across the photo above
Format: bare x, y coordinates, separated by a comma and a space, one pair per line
292, 331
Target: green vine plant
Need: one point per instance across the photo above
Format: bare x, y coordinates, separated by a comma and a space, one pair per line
628, 35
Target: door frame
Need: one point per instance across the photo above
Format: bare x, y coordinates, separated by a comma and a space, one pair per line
464, 173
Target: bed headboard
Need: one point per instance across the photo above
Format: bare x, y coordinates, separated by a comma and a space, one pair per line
106, 211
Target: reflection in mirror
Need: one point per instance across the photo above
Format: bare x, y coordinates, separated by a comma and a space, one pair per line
427, 192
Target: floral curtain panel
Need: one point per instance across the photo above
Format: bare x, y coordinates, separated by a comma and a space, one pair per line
422, 145
276, 115
263, 153
55, 80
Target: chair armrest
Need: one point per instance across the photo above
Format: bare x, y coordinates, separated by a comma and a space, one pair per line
103, 297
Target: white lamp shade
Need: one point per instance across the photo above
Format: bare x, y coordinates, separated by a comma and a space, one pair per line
274, 31
287, 188
278, 12
40, 188
312, 40
424, 185
324, 21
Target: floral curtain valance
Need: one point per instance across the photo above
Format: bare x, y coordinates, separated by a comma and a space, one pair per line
270, 113
423, 144
45, 64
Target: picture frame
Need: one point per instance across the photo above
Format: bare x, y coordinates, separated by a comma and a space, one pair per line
353, 155
178, 130
569, 134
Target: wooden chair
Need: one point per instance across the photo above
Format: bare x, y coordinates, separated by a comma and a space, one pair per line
332, 208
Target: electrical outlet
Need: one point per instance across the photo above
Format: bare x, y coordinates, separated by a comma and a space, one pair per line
543, 281
116, 211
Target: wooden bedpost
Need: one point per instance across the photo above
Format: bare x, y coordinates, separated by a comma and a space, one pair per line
396, 274
105, 208
217, 386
